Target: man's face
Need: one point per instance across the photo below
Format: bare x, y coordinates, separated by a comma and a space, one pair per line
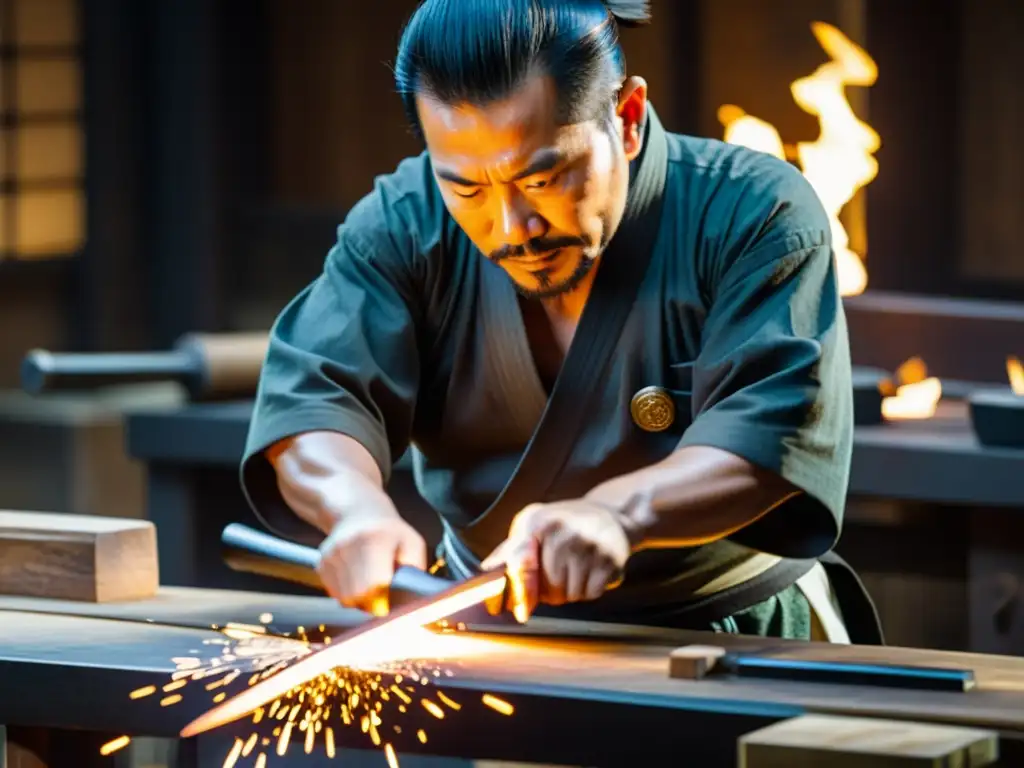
541, 200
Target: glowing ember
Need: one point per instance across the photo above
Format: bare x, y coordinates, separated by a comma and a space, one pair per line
1015, 372
448, 702
234, 754
432, 708
841, 160
116, 744
914, 401
498, 705
917, 395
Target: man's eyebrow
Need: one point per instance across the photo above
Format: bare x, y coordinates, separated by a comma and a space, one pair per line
455, 178
544, 160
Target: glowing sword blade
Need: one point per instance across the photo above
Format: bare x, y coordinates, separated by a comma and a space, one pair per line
361, 646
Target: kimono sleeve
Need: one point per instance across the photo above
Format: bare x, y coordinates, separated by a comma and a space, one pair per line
343, 357
772, 381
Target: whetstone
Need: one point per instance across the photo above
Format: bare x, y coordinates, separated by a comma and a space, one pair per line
829, 741
77, 557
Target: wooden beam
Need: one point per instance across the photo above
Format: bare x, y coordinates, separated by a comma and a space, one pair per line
830, 741
72, 557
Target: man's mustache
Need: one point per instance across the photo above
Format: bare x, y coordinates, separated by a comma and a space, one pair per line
539, 245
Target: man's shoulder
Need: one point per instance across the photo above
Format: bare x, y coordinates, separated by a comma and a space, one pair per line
403, 211
724, 182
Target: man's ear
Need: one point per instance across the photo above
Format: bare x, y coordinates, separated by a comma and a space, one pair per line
630, 109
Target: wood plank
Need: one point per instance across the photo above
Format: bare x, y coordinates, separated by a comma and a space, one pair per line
810, 741
77, 557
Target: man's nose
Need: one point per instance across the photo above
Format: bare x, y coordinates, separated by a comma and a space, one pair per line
516, 220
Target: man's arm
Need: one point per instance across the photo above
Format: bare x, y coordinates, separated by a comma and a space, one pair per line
320, 474
696, 496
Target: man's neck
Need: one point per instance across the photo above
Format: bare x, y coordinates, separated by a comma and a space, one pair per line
569, 306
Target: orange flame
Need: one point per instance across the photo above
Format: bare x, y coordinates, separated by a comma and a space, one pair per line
840, 161
917, 394
1015, 371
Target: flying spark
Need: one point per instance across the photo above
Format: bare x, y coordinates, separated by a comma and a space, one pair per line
113, 746
374, 699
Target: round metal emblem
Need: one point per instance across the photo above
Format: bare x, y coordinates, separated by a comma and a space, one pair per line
653, 409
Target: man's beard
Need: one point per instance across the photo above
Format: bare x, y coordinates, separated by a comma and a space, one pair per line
546, 289
549, 290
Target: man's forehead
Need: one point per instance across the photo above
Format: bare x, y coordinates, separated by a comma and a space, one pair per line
504, 131
531, 106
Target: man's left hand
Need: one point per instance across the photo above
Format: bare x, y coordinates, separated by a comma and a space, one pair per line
558, 553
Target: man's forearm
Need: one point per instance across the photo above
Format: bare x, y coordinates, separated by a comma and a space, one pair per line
320, 474
695, 496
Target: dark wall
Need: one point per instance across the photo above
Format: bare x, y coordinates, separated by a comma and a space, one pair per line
945, 210
33, 313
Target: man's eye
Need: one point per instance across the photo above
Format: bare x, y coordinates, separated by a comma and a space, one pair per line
543, 183
465, 193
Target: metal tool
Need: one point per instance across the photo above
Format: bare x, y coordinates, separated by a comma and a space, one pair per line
839, 672
421, 600
695, 662
248, 550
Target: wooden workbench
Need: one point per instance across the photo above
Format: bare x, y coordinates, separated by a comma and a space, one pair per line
603, 689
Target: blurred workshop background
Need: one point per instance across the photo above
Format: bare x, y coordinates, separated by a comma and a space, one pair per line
178, 167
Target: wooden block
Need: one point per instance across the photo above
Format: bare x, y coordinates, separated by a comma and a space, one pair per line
831, 741
692, 662
77, 557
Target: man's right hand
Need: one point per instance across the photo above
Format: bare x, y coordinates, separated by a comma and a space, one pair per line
361, 553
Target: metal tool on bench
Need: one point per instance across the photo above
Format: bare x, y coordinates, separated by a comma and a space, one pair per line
420, 600
209, 366
695, 662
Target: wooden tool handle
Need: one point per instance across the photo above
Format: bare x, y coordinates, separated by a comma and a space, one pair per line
209, 366
230, 362
252, 551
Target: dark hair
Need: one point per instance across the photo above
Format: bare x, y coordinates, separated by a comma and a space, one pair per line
479, 51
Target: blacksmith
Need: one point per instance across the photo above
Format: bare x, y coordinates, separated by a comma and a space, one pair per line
617, 354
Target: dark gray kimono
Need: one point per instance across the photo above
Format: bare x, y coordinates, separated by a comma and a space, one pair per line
410, 337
